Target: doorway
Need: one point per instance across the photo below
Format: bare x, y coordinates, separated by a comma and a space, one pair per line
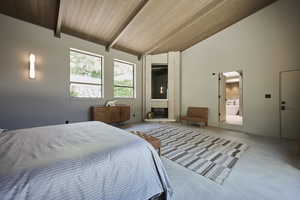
231, 97
159, 91
159, 82
290, 104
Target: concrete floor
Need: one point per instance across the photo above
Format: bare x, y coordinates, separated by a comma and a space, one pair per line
269, 170
234, 119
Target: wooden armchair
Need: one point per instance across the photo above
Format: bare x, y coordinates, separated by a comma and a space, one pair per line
197, 114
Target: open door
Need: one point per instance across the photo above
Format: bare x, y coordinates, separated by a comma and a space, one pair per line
231, 97
222, 98
241, 100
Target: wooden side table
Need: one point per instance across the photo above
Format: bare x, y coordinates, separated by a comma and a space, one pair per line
155, 142
113, 114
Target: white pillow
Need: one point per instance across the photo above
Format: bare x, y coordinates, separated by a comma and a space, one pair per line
2, 130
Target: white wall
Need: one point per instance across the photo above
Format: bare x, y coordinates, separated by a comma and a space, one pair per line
261, 45
45, 101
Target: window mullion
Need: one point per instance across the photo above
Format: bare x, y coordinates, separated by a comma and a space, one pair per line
123, 86
85, 83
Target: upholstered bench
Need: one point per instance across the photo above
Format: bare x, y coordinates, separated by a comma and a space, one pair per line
197, 114
155, 142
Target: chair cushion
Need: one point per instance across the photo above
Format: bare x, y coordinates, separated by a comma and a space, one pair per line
194, 119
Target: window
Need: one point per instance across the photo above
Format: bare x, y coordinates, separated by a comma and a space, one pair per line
124, 79
85, 74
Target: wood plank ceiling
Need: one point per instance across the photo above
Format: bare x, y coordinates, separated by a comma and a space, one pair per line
135, 26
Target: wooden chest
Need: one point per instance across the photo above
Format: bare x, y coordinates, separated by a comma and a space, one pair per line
113, 114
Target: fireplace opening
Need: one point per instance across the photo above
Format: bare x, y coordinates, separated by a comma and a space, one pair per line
160, 113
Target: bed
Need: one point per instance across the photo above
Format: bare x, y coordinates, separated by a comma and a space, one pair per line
89, 160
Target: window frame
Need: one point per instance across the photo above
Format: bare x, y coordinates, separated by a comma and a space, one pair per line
122, 86
84, 83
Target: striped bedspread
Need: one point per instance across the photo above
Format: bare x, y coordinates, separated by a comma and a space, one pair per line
90, 161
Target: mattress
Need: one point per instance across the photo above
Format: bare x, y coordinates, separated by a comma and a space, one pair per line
89, 160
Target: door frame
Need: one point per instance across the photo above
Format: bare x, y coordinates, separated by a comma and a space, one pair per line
219, 100
280, 100
223, 123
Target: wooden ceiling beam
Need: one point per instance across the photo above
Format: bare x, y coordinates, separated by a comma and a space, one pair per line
129, 20
201, 13
140, 57
98, 41
60, 11
130, 51
83, 36
126, 50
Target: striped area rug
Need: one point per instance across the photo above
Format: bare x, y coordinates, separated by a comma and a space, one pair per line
210, 156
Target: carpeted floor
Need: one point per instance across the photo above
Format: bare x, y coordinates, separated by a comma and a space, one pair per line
268, 170
209, 156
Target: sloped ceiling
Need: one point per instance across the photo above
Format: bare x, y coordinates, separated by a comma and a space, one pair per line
135, 26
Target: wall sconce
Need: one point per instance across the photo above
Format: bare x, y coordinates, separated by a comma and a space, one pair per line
31, 66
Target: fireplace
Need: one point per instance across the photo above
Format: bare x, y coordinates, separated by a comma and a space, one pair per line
160, 113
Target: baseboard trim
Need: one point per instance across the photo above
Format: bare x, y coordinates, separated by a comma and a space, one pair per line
160, 120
